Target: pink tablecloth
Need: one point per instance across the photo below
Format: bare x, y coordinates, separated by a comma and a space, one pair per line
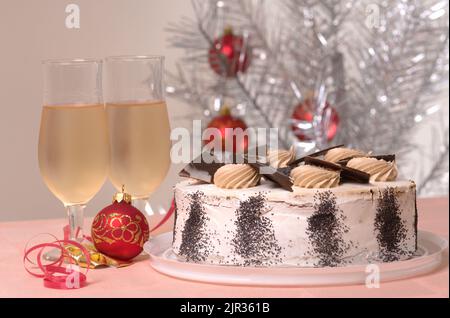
140, 280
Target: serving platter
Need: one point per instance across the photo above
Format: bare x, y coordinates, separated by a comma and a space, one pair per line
429, 256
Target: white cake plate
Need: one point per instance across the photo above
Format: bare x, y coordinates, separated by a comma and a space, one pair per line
431, 249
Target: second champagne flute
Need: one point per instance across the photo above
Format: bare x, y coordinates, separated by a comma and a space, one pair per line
138, 124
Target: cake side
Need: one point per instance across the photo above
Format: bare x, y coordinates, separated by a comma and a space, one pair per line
268, 226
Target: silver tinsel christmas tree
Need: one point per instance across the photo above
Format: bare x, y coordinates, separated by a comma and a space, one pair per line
381, 65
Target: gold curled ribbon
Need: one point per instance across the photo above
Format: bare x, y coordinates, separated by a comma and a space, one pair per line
97, 259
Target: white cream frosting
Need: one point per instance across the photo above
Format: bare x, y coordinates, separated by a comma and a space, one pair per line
280, 158
336, 154
306, 176
288, 213
379, 169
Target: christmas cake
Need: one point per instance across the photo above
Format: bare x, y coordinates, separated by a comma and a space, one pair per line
333, 208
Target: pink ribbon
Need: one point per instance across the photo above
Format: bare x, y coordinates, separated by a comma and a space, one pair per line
54, 274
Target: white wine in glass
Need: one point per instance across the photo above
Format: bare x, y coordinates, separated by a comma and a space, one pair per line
139, 151
73, 140
138, 124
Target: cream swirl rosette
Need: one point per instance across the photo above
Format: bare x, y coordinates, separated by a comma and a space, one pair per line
307, 176
337, 154
236, 176
280, 158
379, 169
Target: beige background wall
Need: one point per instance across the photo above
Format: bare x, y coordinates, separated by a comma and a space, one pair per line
31, 31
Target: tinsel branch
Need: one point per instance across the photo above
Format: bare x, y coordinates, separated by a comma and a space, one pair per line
240, 84
379, 64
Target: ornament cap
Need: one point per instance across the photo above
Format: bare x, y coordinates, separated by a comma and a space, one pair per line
228, 30
122, 196
225, 111
310, 95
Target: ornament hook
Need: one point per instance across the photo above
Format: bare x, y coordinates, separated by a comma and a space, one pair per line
122, 196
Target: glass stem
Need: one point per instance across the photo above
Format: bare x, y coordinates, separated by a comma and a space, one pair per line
76, 217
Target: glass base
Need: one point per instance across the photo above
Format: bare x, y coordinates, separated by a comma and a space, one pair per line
52, 255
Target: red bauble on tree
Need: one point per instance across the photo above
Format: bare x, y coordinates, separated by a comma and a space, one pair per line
229, 54
228, 136
120, 230
303, 116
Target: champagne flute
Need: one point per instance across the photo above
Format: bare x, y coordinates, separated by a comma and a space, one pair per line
73, 140
138, 124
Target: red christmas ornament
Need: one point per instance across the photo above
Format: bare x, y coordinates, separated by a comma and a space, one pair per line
120, 230
303, 114
227, 56
222, 122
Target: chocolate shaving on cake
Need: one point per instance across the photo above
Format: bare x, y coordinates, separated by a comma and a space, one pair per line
325, 230
354, 175
322, 163
286, 170
205, 166
194, 239
273, 174
347, 174
276, 175
254, 239
315, 154
388, 158
389, 226
200, 170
